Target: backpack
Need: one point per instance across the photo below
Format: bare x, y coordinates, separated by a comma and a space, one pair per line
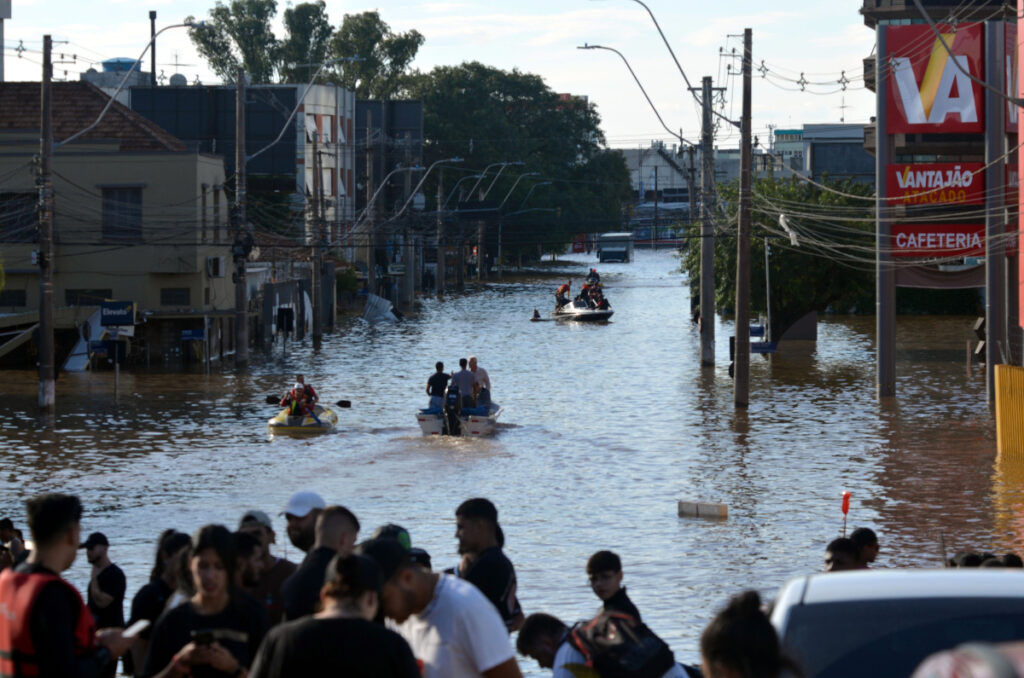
618, 645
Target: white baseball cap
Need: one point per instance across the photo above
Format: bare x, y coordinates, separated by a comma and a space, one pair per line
302, 503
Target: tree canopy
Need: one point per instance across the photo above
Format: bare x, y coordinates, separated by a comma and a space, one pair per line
384, 56
803, 278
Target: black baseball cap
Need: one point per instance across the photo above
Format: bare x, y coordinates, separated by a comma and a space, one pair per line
389, 555
94, 539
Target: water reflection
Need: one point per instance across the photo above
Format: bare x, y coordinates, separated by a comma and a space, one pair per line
605, 428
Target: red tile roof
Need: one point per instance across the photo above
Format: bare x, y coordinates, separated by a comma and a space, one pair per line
76, 105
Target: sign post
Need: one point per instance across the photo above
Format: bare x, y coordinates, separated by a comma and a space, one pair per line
118, 315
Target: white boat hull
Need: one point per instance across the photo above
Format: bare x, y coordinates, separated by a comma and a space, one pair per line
473, 425
579, 310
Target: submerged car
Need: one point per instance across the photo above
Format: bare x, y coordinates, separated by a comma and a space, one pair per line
885, 622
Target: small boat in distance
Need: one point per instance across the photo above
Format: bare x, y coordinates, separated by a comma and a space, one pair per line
473, 421
282, 424
581, 311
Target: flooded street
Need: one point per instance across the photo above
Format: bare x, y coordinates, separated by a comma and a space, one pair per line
605, 427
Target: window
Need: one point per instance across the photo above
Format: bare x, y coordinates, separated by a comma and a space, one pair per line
19, 220
175, 296
86, 297
13, 298
122, 214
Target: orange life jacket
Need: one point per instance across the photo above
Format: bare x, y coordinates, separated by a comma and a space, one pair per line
18, 594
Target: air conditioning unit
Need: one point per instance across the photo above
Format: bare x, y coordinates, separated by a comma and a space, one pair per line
216, 267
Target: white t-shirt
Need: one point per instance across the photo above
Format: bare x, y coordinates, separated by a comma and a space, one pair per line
570, 663
459, 634
481, 377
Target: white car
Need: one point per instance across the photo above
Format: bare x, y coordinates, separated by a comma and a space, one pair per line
880, 623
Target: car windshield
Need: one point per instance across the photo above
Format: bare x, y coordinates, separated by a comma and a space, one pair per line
891, 637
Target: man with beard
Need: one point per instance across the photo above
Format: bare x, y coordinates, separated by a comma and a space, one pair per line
301, 514
483, 562
248, 560
274, 571
107, 586
336, 532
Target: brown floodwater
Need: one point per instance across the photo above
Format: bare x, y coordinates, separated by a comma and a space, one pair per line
605, 427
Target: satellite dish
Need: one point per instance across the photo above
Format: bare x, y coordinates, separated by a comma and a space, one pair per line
178, 80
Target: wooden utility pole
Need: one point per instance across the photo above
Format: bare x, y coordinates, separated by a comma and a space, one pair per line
317, 235
439, 284
239, 225
741, 384
408, 284
707, 228
47, 372
691, 183
371, 277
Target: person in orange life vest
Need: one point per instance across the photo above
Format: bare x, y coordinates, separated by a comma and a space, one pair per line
46, 630
562, 294
301, 398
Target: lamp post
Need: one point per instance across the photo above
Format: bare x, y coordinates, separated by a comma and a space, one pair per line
500, 220
457, 184
530, 192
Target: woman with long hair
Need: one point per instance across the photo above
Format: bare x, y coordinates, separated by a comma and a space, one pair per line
215, 633
342, 639
151, 599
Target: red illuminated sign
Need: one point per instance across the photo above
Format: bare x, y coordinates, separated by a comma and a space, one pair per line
938, 240
939, 183
929, 90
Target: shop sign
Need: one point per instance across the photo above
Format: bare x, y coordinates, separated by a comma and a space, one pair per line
941, 183
938, 240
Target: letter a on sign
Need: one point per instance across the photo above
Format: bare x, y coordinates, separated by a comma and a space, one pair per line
929, 90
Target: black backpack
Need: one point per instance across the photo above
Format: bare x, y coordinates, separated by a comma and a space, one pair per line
618, 645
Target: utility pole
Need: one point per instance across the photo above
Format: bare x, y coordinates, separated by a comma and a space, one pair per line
152, 47
317, 234
439, 284
47, 373
241, 287
741, 383
996, 337
408, 251
707, 228
691, 183
654, 232
371, 277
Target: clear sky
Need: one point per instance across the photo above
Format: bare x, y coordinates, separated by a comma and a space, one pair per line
818, 39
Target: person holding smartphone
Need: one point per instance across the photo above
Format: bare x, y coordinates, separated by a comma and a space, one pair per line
215, 633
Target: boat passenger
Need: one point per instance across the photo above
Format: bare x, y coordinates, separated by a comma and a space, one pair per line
481, 383
464, 380
593, 278
562, 294
300, 399
436, 384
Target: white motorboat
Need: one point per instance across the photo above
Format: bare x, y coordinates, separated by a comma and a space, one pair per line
581, 310
473, 421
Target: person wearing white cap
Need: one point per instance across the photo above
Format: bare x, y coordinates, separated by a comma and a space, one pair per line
301, 514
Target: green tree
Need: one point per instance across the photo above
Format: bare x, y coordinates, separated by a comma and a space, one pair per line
307, 41
828, 268
384, 55
239, 34
487, 115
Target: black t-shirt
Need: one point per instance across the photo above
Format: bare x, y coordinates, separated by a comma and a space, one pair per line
620, 602
149, 603
239, 627
301, 591
112, 582
437, 383
494, 575
347, 648
52, 628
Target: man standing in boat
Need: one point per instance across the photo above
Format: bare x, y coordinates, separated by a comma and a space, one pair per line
481, 383
436, 385
562, 294
301, 398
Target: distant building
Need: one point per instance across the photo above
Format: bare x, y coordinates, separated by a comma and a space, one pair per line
113, 74
835, 151
138, 216
788, 148
279, 171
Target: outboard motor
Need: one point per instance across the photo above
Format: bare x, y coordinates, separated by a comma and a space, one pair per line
452, 409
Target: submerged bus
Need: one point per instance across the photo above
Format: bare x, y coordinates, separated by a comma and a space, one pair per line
615, 247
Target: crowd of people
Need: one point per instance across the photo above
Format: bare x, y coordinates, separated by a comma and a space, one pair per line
219, 604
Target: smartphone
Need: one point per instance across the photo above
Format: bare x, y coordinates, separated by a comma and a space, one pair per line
202, 637
135, 629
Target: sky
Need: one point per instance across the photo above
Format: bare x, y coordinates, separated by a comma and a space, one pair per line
821, 40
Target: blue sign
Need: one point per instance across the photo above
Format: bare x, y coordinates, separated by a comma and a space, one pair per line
109, 348
193, 335
117, 313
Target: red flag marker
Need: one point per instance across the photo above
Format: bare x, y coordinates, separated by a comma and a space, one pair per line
846, 508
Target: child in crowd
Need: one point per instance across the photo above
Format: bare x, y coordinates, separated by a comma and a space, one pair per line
604, 569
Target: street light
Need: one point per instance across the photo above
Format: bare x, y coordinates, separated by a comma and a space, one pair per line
638, 84
530, 192
454, 188
500, 220
124, 80
502, 164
